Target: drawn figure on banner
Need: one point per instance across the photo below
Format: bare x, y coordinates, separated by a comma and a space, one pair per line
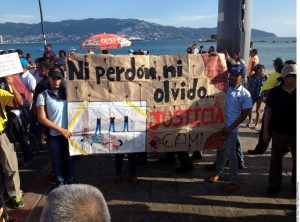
154, 141
86, 141
98, 137
112, 124
125, 124
112, 143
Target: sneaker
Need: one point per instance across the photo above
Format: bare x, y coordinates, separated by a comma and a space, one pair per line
18, 202
254, 152
210, 167
229, 188
215, 178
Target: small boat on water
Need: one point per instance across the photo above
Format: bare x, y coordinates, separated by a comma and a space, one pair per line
72, 49
136, 38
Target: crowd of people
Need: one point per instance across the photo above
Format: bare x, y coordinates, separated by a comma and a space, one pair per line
43, 119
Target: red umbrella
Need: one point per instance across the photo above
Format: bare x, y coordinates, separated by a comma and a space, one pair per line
105, 41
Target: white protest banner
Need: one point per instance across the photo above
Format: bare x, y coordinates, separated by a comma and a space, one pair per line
10, 64
107, 127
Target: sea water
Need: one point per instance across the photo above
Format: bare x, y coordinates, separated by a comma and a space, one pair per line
268, 48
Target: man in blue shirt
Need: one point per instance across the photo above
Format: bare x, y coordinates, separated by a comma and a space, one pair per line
238, 106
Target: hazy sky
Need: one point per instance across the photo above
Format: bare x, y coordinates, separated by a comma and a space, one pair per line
276, 16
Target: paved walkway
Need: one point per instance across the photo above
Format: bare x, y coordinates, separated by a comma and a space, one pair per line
164, 195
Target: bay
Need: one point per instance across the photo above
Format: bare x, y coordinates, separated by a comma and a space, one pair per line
268, 48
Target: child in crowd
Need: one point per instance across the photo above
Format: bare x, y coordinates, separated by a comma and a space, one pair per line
254, 86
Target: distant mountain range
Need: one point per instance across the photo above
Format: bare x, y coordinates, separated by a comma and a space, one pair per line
76, 30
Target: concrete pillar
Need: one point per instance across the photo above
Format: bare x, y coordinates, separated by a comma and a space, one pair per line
234, 26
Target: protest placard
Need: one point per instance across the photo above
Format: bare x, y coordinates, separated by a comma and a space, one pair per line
10, 64
177, 102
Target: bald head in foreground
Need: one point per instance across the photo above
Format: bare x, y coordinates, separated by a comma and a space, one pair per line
75, 203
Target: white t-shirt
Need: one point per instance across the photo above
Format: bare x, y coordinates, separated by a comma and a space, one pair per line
195, 51
28, 80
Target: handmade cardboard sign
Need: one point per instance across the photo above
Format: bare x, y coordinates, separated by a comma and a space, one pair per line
10, 64
146, 103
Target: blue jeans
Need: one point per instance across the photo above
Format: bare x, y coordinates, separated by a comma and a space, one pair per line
230, 153
62, 162
119, 163
239, 151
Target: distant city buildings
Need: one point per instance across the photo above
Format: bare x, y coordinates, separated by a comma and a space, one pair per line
1, 39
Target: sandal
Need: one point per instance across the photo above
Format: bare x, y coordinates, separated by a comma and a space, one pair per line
215, 178
256, 128
249, 124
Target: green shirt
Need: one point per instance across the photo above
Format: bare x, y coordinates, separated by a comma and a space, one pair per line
271, 82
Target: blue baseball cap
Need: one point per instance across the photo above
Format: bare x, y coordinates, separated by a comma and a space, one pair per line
236, 69
24, 63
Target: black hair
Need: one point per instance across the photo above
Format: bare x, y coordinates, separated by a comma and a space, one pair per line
44, 62
19, 51
63, 51
255, 68
255, 51
211, 49
290, 62
278, 67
